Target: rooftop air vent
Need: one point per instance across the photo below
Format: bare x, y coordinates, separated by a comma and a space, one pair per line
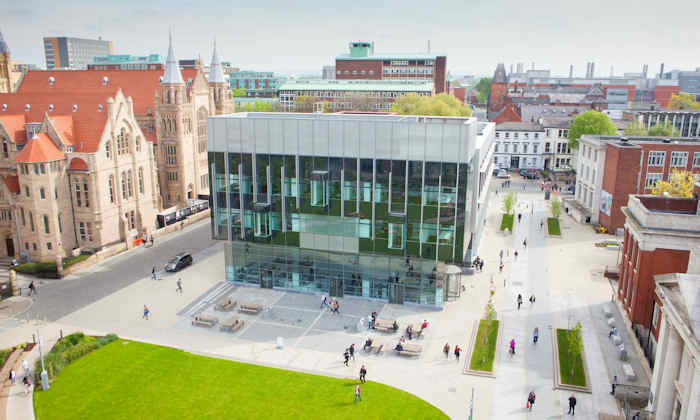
4, 107
52, 80
666, 141
50, 107
105, 79
624, 139
99, 108
75, 107
27, 107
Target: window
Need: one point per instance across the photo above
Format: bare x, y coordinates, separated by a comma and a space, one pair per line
48, 245
696, 160
31, 221
60, 225
26, 191
515, 135
108, 149
42, 193
46, 224
526, 135
138, 144
507, 135
21, 215
129, 185
141, 180
498, 135
396, 236
657, 158
34, 246
110, 188
679, 159
130, 219
55, 193
123, 185
5, 148
535, 148
42, 168
652, 179
595, 156
171, 154
537, 136
204, 181
547, 148
525, 145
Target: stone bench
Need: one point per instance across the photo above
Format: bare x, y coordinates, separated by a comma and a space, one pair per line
225, 304
232, 325
628, 372
410, 350
384, 325
204, 321
250, 308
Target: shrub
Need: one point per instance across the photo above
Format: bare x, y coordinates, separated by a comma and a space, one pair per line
48, 266
71, 348
507, 222
553, 226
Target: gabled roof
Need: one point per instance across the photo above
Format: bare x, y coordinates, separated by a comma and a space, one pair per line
12, 183
40, 149
64, 126
499, 76
14, 124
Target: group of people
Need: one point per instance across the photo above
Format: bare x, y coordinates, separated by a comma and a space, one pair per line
332, 304
446, 350
519, 300
26, 381
478, 264
349, 353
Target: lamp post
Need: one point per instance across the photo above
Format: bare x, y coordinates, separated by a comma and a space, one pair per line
44, 374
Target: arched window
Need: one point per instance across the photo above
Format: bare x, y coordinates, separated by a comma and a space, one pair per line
111, 188
168, 96
123, 185
176, 97
5, 148
31, 221
46, 224
108, 149
141, 180
129, 184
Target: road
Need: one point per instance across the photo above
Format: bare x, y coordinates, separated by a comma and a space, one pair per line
57, 298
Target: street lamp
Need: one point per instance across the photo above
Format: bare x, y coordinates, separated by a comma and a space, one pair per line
44, 374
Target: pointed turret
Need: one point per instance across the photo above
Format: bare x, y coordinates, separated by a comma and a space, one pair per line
172, 73
216, 72
499, 76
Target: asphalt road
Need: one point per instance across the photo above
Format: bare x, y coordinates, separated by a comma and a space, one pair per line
58, 298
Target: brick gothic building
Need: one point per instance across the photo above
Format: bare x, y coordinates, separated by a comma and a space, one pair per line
363, 63
662, 236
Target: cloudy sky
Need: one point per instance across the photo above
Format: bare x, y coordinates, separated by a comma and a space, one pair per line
301, 36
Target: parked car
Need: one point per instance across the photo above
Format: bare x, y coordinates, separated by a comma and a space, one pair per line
502, 173
179, 262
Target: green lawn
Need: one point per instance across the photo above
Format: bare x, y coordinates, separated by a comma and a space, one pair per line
553, 226
482, 349
579, 377
139, 381
507, 222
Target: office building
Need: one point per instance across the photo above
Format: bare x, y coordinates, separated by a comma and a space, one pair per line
363, 63
688, 81
74, 53
355, 95
127, 62
378, 206
256, 84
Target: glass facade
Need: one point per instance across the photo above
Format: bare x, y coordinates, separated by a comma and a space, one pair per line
328, 221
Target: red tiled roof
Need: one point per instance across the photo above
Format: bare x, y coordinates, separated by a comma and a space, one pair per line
12, 183
77, 164
15, 127
141, 85
40, 149
64, 125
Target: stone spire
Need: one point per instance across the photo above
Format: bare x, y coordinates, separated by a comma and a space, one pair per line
172, 69
499, 76
3, 45
216, 73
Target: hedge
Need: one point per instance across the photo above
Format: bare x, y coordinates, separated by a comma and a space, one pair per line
48, 266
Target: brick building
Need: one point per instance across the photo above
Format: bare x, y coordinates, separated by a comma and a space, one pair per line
362, 63
661, 236
610, 168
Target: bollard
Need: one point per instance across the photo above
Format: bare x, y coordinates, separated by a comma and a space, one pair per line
33, 338
61, 334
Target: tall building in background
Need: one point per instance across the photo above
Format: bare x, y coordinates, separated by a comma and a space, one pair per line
257, 84
126, 62
5, 67
363, 63
74, 53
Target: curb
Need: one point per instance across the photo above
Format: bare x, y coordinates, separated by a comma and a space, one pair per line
557, 369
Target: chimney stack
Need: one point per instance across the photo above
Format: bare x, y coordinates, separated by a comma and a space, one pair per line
661, 71
571, 71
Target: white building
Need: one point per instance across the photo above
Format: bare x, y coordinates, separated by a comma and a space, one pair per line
519, 145
675, 385
589, 179
558, 156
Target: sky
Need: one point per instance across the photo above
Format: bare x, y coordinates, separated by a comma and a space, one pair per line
300, 37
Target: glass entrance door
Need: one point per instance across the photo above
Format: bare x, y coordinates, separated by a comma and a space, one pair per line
396, 293
336, 287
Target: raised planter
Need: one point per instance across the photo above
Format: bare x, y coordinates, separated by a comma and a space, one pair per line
561, 380
553, 227
507, 222
473, 363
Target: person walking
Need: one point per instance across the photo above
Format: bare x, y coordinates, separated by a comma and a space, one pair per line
25, 367
636, 416
152, 240
501, 255
363, 374
541, 224
27, 385
481, 265
146, 312
346, 356
572, 405
500, 267
512, 347
520, 216
358, 396
457, 352
323, 301
515, 254
153, 273
525, 243
446, 350
519, 300
178, 283
32, 288
535, 335
614, 384
13, 376
352, 351
530, 400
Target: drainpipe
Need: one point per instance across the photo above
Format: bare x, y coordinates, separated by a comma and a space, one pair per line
72, 210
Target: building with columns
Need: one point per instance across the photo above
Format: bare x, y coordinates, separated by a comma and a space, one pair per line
687, 122
675, 384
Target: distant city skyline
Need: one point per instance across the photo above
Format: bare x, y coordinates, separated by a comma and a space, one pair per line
625, 34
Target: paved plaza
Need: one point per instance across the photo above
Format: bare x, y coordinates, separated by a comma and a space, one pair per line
565, 274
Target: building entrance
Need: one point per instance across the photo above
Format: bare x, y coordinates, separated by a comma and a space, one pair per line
396, 293
10, 245
336, 287
515, 162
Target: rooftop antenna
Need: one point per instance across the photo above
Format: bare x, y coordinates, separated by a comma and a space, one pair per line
428, 46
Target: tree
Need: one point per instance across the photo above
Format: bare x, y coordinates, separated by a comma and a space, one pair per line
303, 104
362, 102
483, 88
635, 129
679, 184
575, 342
683, 101
590, 122
439, 105
555, 206
238, 92
509, 203
663, 130
260, 106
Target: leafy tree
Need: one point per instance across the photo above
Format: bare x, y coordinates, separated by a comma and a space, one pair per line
679, 184
575, 342
238, 92
635, 128
555, 206
509, 203
362, 102
683, 101
590, 122
304, 104
663, 130
439, 105
260, 106
483, 88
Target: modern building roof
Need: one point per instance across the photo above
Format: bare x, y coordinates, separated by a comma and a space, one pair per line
632, 140
392, 56
172, 69
518, 126
127, 59
40, 149
359, 85
216, 73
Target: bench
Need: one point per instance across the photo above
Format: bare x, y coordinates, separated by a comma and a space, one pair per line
250, 308
628, 372
384, 325
204, 321
225, 304
232, 325
410, 350
377, 345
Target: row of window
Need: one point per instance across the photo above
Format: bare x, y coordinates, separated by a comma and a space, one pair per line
525, 148
407, 70
355, 72
29, 217
42, 192
678, 159
589, 152
40, 168
123, 144
549, 132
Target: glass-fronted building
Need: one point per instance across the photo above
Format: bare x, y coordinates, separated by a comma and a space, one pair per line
379, 206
